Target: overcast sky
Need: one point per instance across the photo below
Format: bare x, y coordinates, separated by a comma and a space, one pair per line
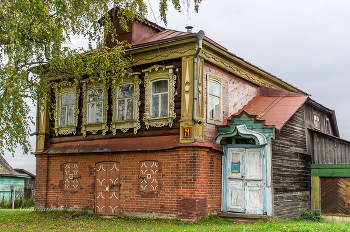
305, 43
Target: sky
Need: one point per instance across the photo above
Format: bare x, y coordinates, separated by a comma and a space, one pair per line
304, 43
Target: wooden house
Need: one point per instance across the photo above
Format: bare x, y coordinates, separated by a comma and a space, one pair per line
194, 131
10, 180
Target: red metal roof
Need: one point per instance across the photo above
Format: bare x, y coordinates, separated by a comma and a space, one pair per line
275, 111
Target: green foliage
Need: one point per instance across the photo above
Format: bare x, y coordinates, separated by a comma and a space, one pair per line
312, 216
20, 203
35, 37
25, 220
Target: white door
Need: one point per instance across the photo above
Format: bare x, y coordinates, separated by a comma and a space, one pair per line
245, 180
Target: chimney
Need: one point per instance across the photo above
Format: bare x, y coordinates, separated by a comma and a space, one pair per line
189, 29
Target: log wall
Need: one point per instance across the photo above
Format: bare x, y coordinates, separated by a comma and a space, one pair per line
291, 169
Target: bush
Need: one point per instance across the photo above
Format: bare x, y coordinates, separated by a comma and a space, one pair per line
20, 203
312, 216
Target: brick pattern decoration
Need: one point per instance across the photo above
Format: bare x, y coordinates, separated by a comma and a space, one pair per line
191, 178
149, 176
71, 176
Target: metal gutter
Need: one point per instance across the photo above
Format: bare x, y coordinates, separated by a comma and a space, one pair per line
200, 36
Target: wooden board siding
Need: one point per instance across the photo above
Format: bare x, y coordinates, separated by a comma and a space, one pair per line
309, 118
291, 169
142, 132
335, 196
326, 149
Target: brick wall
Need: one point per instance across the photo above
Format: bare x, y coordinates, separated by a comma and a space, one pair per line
235, 94
190, 179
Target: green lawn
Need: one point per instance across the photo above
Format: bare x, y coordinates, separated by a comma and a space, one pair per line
27, 220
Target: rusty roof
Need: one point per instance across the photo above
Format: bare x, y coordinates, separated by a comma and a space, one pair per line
7, 170
275, 111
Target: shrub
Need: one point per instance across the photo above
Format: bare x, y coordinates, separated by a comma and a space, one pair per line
312, 216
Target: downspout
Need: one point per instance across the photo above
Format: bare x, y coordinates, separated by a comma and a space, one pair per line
200, 36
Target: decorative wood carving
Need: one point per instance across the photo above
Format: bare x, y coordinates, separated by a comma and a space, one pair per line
62, 88
124, 126
94, 128
153, 73
187, 88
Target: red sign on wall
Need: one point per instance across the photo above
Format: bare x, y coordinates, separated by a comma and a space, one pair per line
187, 132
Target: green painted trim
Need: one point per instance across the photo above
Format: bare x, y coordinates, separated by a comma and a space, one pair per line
330, 166
330, 172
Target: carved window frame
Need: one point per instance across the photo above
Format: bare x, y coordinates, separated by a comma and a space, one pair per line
71, 176
95, 127
125, 125
60, 89
159, 72
219, 82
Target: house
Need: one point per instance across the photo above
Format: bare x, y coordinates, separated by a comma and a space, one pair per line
10, 180
194, 131
29, 183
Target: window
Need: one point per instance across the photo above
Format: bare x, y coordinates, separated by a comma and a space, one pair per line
126, 102
214, 96
70, 176
95, 106
159, 96
328, 126
317, 121
66, 111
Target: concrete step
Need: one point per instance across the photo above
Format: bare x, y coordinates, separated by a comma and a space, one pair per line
243, 216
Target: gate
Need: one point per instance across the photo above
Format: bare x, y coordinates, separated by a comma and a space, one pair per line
107, 188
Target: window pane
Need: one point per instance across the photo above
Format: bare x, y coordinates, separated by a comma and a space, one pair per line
70, 98
70, 116
99, 112
63, 99
91, 112
95, 94
214, 88
164, 105
121, 107
211, 107
217, 108
160, 86
126, 91
63, 116
129, 109
155, 106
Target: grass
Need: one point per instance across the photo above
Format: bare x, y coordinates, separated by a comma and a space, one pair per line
28, 220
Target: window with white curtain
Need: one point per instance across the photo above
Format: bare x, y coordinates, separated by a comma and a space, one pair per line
214, 100
95, 106
66, 109
159, 98
125, 102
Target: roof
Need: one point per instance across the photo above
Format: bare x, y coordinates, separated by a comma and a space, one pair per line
274, 111
23, 171
7, 170
167, 35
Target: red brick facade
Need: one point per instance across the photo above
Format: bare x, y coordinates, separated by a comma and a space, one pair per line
190, 182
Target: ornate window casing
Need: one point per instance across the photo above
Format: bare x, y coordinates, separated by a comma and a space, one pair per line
149, 176
71, 176
214, 100
66, 110
159, 96
95, 106
126, 103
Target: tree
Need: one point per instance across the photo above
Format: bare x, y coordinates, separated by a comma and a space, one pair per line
34, 47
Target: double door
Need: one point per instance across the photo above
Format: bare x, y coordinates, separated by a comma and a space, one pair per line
245, 180
107, 188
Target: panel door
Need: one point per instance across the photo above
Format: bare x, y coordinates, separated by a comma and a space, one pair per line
107, 188
245, 185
